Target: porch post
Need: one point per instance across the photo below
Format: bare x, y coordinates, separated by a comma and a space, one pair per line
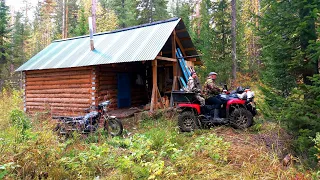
174, 64
154, 97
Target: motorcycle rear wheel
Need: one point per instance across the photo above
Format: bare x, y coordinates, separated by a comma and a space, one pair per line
60, 130
113, 126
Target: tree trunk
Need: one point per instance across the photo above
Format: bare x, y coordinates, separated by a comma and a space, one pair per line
234, 40
123, 10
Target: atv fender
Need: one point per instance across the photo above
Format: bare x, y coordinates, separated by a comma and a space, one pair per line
233, 102
194, 107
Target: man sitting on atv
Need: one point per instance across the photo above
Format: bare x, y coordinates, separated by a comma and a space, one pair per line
210, 91
195, 87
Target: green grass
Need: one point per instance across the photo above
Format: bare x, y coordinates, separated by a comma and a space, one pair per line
155, 150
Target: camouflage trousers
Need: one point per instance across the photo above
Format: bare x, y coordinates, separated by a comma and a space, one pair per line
200, 99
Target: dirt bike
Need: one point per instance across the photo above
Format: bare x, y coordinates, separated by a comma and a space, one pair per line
90, 122
237, 109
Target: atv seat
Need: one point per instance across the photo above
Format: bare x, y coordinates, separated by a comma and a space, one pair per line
184, 97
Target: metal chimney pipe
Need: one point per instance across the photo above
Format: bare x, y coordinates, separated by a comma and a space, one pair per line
91, 34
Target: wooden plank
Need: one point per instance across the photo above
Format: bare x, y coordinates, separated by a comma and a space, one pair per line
166, 52
185, 39
60, 91
181, 47
58, 100
63, 86
57, 108
190, 49
175, 66
57, 78
72, 81
58, 104
58, 73
166, 59
108, 77
108, 82
106, 87
153, 105
174, 87
191, 59
174, 45
57, 70
161, 101
58, 95
109, 91
181, 30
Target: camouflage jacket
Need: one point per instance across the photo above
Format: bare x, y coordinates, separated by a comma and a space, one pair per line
193, 86
210, 89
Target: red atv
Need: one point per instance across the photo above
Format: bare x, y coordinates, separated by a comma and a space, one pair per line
238, 109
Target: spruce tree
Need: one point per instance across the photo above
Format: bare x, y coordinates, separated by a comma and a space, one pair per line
4, 32
126, 11
286, 30
4, 42
152, 10
221, 47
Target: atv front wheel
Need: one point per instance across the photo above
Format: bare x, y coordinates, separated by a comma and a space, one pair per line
241, 118
187, 121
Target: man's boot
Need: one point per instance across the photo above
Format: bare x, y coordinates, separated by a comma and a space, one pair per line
216, 115
203, 110
204, 113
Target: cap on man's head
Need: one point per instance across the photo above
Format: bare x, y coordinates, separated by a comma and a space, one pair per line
192, 73
212, 73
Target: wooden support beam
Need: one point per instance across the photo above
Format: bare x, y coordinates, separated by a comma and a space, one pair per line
175, 66
180, 45
166, 52
185, 39
190, 49
181, 30
173, 42
154, 99
166, 59
191, 59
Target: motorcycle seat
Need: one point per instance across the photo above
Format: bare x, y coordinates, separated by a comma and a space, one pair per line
72, 118
78, 117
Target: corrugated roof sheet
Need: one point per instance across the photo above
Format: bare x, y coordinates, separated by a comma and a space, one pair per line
137, 43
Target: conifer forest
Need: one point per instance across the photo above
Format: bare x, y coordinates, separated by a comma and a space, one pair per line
271, 46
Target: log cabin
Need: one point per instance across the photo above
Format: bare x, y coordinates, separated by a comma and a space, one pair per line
129, 66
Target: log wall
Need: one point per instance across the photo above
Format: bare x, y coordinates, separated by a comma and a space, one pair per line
59, 91
71, 90
108, 83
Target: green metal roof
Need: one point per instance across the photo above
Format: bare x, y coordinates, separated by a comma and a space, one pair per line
137, 43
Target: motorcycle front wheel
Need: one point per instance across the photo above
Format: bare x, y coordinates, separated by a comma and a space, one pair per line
113, 126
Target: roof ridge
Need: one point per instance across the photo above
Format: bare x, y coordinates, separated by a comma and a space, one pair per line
123, 29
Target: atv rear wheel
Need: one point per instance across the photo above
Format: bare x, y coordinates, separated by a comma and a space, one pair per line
187, 121
241, 118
